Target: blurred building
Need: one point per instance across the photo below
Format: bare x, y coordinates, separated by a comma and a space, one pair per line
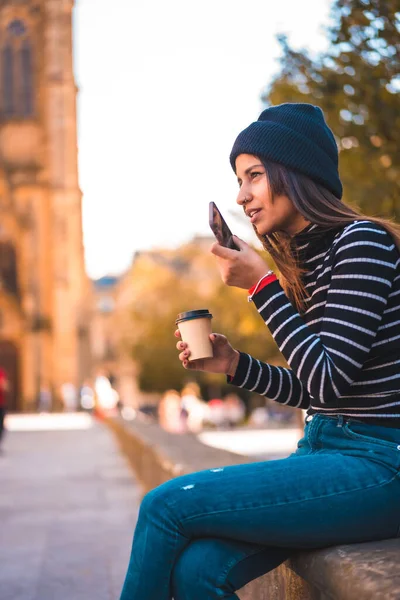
44, 291
110, 328
103, 334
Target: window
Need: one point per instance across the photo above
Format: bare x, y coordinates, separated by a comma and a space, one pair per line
16, 71
8, 81
16, 28
8, 268
26, 80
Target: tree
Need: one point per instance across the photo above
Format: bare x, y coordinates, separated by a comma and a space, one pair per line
357, 85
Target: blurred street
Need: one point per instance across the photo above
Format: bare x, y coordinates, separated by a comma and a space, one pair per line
68, 507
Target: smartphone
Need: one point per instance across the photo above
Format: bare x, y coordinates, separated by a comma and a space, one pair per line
220, 229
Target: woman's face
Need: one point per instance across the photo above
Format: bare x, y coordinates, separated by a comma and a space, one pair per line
266, 213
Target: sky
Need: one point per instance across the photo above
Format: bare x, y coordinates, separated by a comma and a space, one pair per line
164, 89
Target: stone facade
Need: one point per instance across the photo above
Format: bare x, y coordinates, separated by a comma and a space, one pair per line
103, 336
44, 290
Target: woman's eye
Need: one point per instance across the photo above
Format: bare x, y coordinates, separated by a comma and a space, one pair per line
255, 174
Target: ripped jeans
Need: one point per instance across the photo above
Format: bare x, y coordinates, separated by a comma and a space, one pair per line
204, 535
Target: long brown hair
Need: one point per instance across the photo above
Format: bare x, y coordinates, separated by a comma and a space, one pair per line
317, 205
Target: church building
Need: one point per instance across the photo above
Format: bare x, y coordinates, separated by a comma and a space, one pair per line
44, 289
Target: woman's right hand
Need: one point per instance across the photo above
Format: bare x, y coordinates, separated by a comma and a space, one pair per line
225, 358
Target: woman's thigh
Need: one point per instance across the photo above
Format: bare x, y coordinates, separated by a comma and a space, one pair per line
208, 566
299, 502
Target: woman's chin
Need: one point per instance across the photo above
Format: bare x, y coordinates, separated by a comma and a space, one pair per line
263, 229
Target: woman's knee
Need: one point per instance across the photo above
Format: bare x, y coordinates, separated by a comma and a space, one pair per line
154, 500
161, 498
170, 491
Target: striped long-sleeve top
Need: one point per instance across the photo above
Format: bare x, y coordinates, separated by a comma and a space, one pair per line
344, 351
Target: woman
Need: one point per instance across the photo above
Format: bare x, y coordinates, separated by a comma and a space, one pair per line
335, 316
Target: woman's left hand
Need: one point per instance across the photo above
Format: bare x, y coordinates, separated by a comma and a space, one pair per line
239, 269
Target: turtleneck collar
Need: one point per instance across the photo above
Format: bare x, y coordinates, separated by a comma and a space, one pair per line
311, 240
304, 235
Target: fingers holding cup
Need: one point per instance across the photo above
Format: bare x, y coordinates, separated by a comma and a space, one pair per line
194, 329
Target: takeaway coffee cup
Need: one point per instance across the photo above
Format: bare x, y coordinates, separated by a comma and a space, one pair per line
195, 329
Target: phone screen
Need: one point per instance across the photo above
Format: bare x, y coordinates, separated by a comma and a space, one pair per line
220, 229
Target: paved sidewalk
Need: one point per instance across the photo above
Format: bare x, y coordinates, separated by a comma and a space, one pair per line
68, 506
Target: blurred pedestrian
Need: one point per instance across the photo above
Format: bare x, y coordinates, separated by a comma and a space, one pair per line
170, 413
45, 399
69, 396
4, 387
107, 396
195, 407
259, 416
216, 415
87, 397
235, 410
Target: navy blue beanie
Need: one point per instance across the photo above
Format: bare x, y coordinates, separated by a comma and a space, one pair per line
296, 136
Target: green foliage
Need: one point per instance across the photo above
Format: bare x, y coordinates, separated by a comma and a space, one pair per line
185, 279
357, 85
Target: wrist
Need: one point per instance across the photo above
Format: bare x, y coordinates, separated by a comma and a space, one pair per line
234, 364
265, 280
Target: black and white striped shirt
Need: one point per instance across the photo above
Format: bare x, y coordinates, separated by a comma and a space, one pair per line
344, 351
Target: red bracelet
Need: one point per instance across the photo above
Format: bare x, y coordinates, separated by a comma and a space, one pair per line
262, 283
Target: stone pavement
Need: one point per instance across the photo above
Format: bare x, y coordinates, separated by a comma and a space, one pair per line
68, 506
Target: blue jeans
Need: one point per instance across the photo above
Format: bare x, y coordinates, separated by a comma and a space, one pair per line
204, 535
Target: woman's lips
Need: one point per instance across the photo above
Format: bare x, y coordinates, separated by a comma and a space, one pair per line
255, 216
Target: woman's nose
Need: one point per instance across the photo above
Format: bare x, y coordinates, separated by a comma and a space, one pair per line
242, 198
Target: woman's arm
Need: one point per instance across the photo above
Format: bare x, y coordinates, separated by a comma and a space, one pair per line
275, 383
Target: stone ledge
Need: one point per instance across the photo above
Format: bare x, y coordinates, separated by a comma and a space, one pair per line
367, 571
156, 455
